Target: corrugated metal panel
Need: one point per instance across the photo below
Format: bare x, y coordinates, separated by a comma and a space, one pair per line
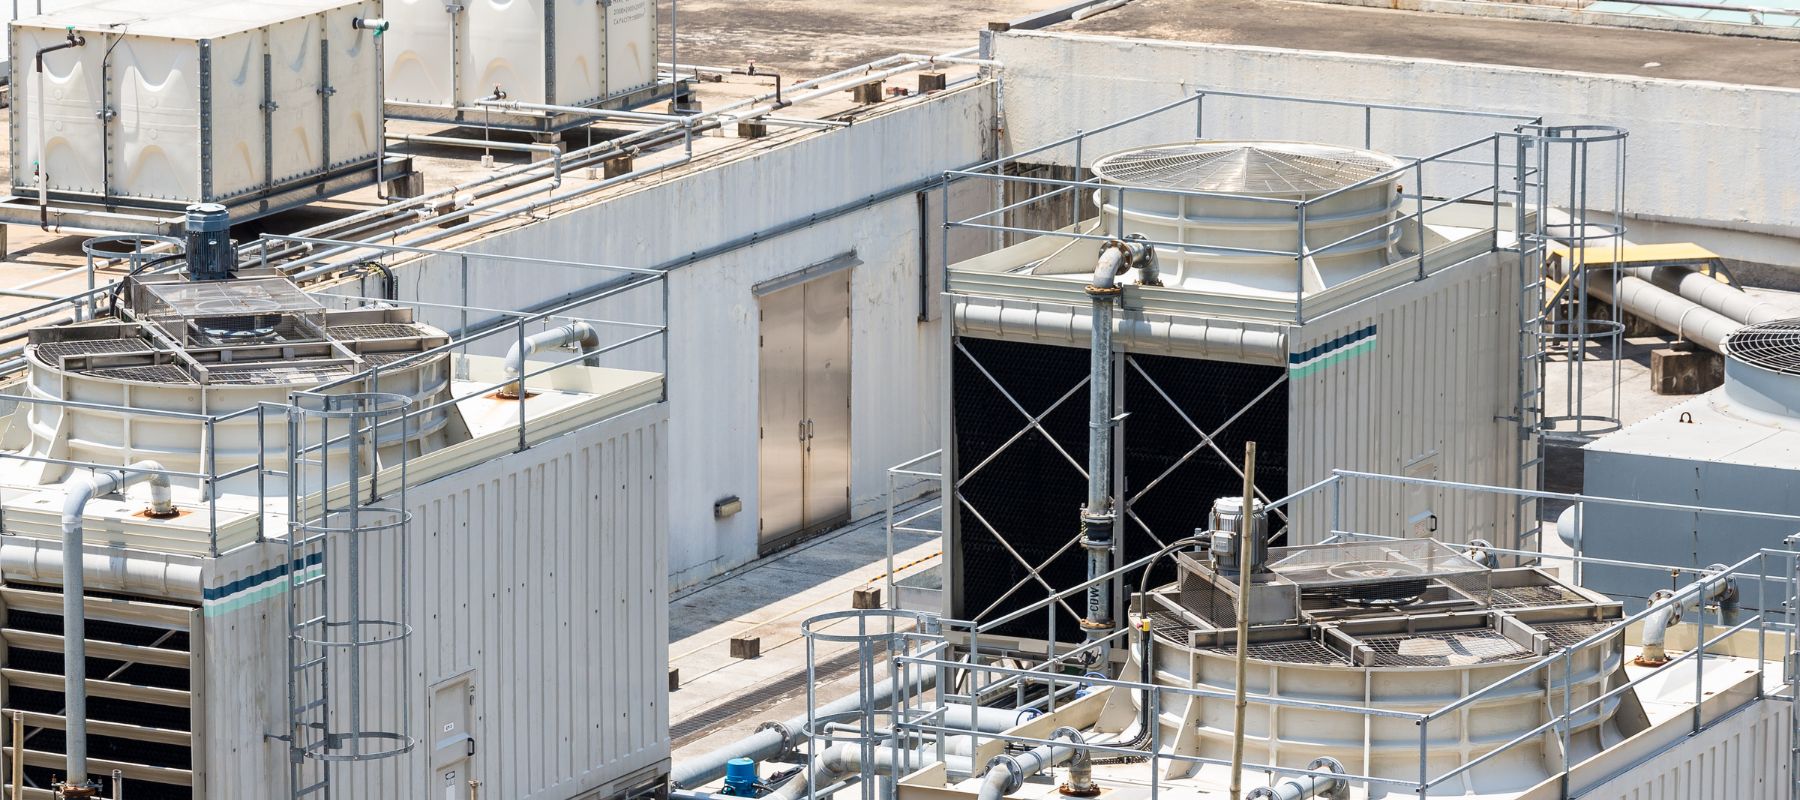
541, 571
1426, 398
1744, 757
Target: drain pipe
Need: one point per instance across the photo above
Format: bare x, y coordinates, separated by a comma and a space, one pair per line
102, 483
576, 333
1097, 516
1656, 625
1005, 774
1303, 787
774, 738
43, 167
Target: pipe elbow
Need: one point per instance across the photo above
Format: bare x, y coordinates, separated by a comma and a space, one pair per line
1656, 629
162, 498
1081, 764
1118, 256
79, 492
1001, 779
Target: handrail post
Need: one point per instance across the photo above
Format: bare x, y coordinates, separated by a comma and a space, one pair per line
1424, 775
519, 327
1300, 265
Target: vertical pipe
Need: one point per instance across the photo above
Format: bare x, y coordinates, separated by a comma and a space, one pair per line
1097, 514
1247, 529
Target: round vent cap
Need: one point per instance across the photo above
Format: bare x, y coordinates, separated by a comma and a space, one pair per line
1277, 168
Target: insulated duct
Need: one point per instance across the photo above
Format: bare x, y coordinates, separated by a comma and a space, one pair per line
1678, 315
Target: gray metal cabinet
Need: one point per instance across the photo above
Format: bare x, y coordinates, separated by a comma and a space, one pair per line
803, 379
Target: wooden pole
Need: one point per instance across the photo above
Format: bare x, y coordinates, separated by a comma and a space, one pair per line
18, 755
1246, 529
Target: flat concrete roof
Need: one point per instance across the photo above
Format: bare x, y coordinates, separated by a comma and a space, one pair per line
1453, 37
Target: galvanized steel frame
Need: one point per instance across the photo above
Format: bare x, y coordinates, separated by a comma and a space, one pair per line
951, 650
1470, 153
503, 326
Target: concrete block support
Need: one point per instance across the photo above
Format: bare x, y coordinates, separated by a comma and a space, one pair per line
1685, 371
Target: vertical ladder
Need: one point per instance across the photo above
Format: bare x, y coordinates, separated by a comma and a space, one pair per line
1534, 346
342, 533
308, 611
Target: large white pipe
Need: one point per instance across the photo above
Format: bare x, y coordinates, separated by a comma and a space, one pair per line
1678, 315
80, 491
1714, 295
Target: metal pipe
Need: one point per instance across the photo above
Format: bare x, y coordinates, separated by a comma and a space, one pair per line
1097, 516
775, 738
1656, 625
843, 759
1303, 787
576, 333
79, 492
43, 169
555, 153
1005, 774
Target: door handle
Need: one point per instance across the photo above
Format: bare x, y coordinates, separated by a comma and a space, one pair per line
802, 435
810, 428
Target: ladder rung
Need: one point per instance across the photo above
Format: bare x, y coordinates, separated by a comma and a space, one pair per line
307, 664
301, 709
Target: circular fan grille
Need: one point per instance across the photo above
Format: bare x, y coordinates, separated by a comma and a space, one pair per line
1770, 345
1255, 168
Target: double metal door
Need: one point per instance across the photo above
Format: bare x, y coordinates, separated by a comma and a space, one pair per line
803, 378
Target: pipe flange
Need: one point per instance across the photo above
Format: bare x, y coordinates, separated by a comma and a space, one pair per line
787, 736
1015, 774
152, 513
1067, 790
1340, 788
1112, 291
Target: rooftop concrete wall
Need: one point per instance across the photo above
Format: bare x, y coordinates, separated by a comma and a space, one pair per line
1709, 157
712, 349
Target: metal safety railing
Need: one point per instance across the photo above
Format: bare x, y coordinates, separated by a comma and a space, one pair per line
903, 480
970, 663
1474, 170
239, 455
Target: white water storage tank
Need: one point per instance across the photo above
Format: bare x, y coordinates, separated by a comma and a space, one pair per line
1265, 180
173, 102
445, 55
